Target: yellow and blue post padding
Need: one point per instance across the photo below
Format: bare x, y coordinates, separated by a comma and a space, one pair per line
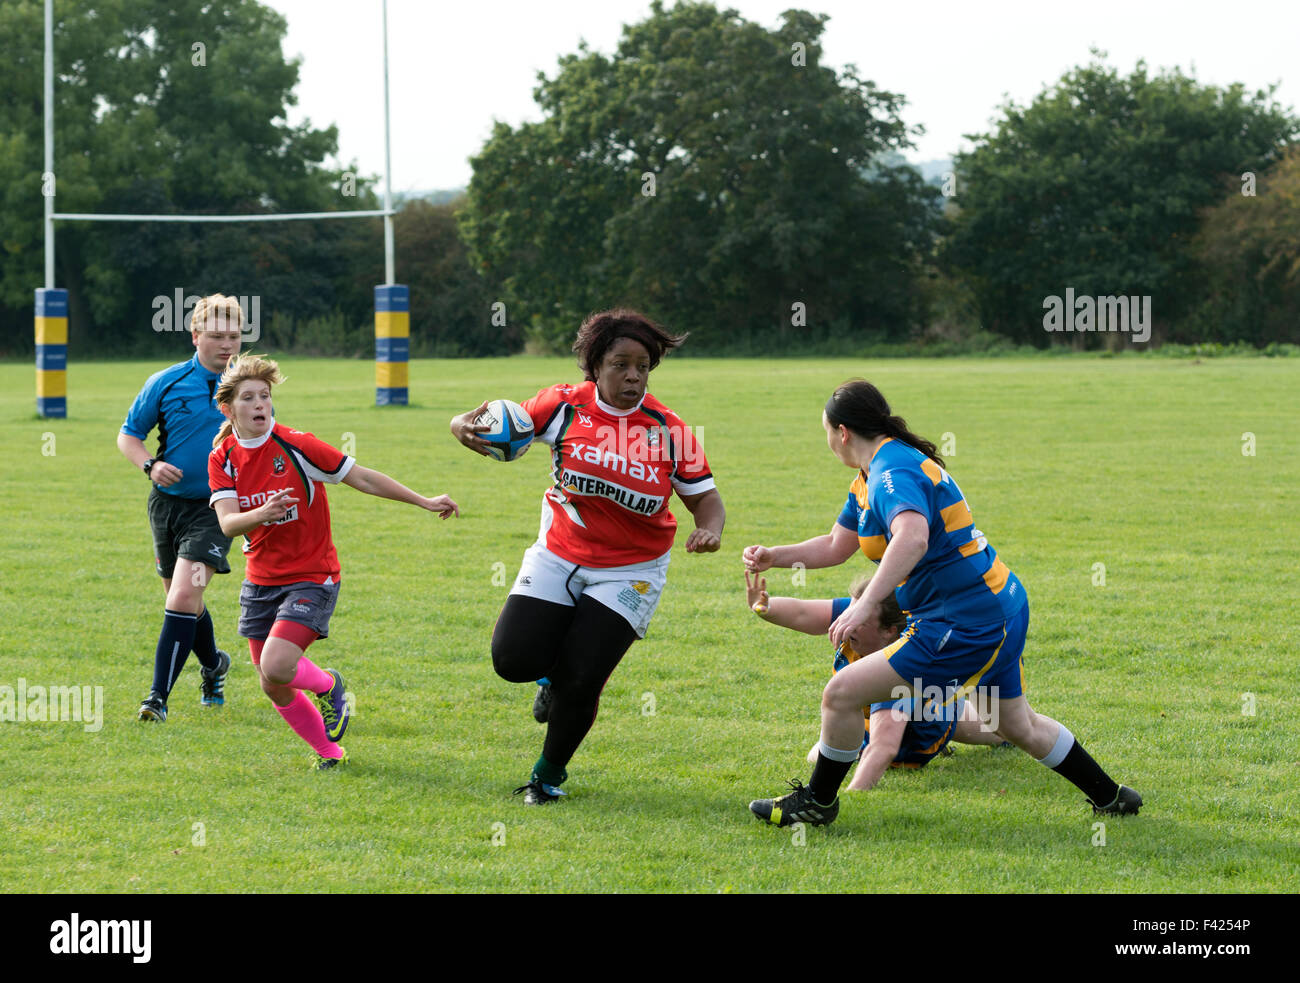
392, 344
52, 353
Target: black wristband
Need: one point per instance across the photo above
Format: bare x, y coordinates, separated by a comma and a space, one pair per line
147, 466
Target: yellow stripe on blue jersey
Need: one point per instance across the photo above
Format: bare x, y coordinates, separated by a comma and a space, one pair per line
856, 515
971, 684
960, 578
956, 517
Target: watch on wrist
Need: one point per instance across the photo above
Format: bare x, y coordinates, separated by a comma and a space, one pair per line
147, 466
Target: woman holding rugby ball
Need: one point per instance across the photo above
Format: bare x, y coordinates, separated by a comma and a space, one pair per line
590, 584
268, 485
967, 612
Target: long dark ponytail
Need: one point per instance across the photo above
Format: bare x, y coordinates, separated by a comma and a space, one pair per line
859, 405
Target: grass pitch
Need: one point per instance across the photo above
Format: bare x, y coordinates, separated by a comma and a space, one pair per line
1159, 560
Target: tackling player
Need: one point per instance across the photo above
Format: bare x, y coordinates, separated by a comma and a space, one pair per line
898, 733
268, 485
967, 612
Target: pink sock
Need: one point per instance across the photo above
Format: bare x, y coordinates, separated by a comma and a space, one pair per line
306, 722
309, 676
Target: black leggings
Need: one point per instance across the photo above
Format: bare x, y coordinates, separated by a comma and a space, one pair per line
575, 647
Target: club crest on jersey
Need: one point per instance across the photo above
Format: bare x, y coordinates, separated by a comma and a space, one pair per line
278, 464
583, 420
640, 586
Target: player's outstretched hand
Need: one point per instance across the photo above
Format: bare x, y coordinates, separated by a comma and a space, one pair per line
277, 506
757, 558
703, 541
443, 505
464, 429
756, 593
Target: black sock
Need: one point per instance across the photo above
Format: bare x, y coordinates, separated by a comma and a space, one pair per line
827, 777
1079, 768
174, 644
205, 641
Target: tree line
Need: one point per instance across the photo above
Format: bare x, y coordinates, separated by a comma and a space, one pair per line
711, 171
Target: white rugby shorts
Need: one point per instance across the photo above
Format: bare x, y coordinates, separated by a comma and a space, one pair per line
633, 590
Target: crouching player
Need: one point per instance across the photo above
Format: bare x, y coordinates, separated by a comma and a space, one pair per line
268, 485
903, 733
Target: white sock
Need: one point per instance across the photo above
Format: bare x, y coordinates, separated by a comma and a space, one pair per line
1064, 741
835, 754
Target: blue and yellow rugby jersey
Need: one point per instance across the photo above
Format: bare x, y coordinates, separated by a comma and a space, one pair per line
929, 727
857, 515
960, 578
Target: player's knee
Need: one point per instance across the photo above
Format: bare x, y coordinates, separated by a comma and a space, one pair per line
516, 662
838, 696
277, 673
185, 592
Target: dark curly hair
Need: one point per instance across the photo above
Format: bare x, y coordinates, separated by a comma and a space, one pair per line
599, 332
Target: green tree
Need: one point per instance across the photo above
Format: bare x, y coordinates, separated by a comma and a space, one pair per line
451, 308
712, 172
1097, 185
455, 315
1248, 260
163, 106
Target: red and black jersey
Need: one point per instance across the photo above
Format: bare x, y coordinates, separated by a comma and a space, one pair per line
299, 546
614, 472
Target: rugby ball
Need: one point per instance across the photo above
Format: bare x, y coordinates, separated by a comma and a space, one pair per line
510, 429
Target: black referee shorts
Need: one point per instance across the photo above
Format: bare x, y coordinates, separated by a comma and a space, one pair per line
185, 528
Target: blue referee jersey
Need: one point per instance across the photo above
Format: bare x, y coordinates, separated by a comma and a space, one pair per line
181, 402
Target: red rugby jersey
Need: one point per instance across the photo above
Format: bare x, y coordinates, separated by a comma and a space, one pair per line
298, 547
614, 472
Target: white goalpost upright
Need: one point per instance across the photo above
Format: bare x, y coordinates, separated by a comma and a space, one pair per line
392, 300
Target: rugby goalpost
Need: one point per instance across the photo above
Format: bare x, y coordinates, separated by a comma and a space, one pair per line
392, 300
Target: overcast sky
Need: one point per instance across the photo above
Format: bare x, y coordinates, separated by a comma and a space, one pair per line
455, 66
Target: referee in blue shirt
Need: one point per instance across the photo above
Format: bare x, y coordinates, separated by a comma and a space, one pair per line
179, 402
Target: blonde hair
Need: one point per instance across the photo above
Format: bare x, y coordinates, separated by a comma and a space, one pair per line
225, 310
243, 368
